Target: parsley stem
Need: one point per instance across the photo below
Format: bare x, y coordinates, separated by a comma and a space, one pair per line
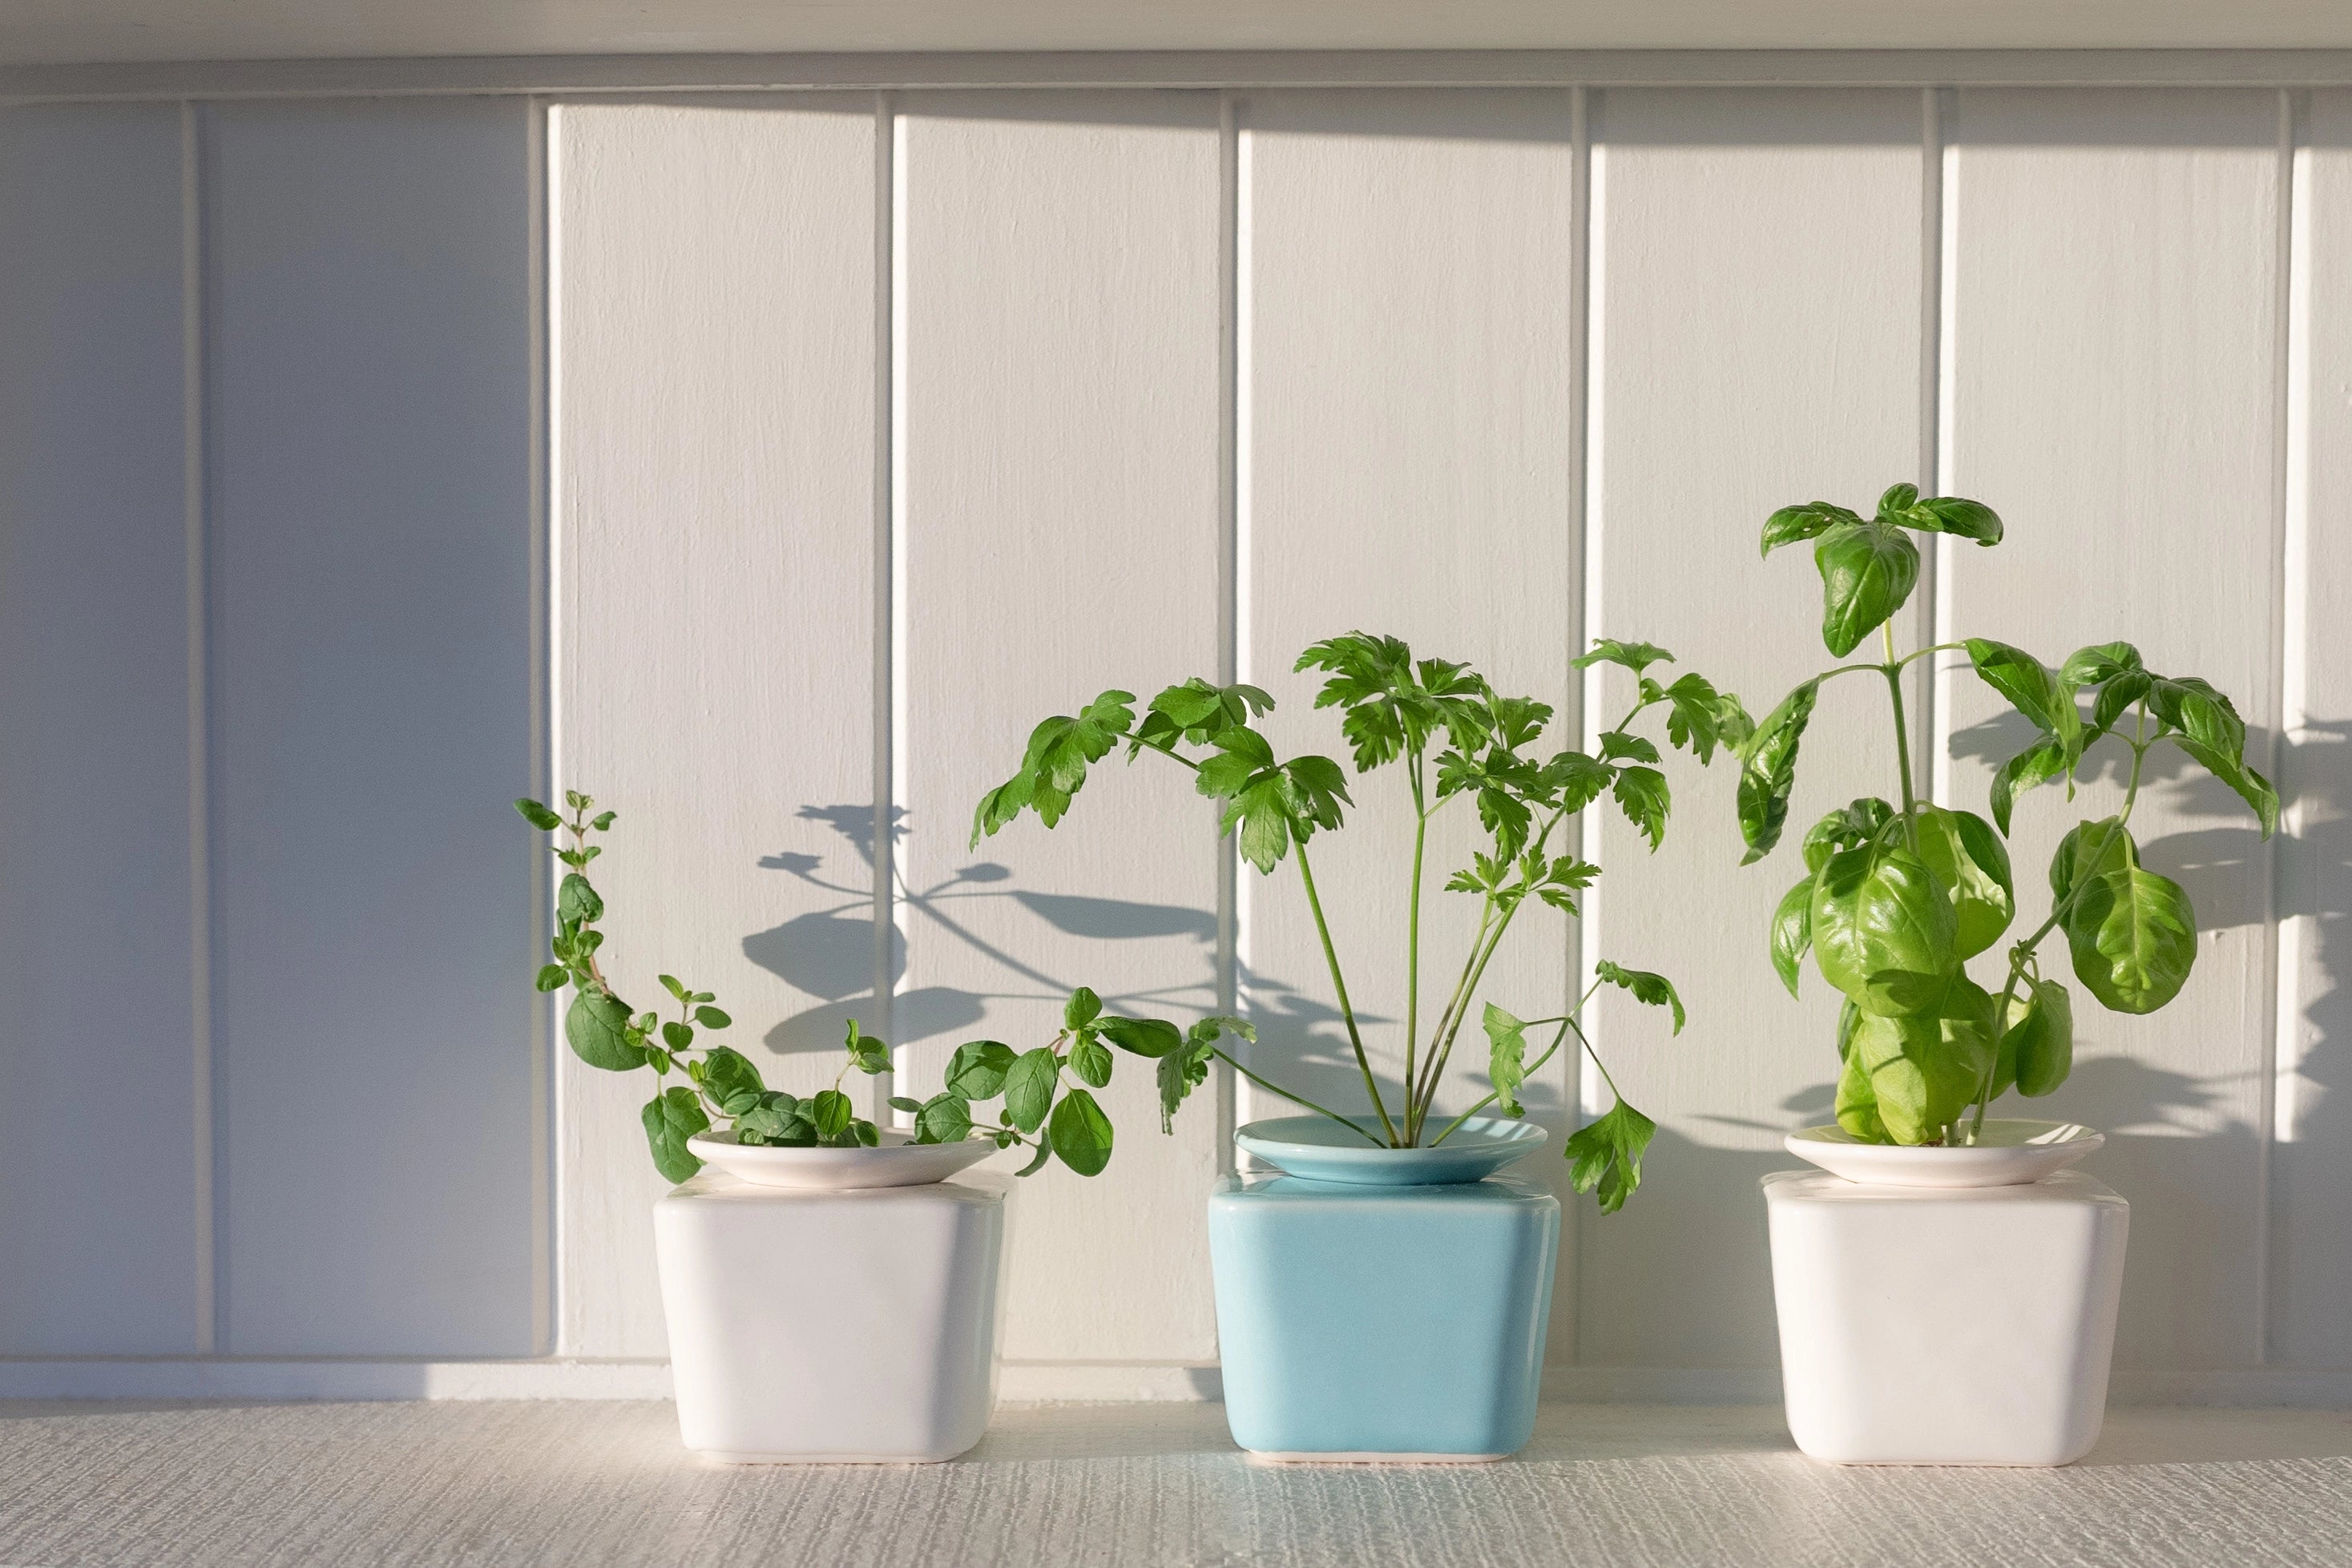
1339, 984
1352, 1126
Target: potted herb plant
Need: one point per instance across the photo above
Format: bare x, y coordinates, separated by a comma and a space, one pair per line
1958, 1305
1385, 1295
888, 1352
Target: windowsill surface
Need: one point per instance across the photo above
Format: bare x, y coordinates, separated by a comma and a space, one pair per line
582, 1482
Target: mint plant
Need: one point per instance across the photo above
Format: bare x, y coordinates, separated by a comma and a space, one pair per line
1041, 1108
1455, 743
1897, 898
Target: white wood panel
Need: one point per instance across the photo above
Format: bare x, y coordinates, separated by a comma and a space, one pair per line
1756, 288
2312, 1161
715, 293
95, 903
370, 463
2114, 343
1409, 364
1060, 461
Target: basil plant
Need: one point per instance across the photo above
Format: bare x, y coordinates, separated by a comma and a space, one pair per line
720, 1084
1455, 744
1897, 896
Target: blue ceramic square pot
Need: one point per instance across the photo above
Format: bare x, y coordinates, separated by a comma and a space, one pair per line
1383, 1321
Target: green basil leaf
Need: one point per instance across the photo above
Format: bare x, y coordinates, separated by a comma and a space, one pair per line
1029, 1088
1953, 515
1924, 1072
598, 1027
1849, 1019
2134, 936
1968, 858
1868, 568
1879, 912
1768, 770
1792, 932
2098, 664
1141, 1037
1081, 1132
977, 1069
1652, 990
2089, 849
1863, 822
2252, 787
1606, 1155
1506, 1053
2033, 689
1857, 1102
1090, 1059
2023, 771
1792, 524
1083, 1007
2041, 1035
670, 1118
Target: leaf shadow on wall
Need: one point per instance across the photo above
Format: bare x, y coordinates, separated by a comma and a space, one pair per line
831, 953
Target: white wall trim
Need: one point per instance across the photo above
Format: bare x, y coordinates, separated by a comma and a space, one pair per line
588, 74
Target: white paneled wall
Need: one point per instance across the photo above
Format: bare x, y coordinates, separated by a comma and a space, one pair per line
767, 464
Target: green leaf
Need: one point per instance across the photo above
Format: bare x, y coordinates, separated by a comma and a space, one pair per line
978, 1067
2134, 936
2098, 664
1653, 990
538, 816
671, 983
2089, 849
1634, 656
1090, 1059
1968, 858
944, 1118
1181, 1072
1878, 914
1506, 1053
598, 1027
551, 977
725, 1074
576, 901
1607, 1154
869, 1053
1697, 715
1768, 770
1620, 746
1029, 1088
2042, 1037
670, 1118
677, 1036
1923, 1071
603, 821
1081, 1132
1044, 1153
1053, 767
1083, 1007
711, 1017
1792, 932
906, 1103
1863, 820
1868, 570
1792, 524
1969, 519
2030, 686
775, 1118
1642, 794
830, 1112
1857, 1102
2023, 771
1141, 1037
2252, 787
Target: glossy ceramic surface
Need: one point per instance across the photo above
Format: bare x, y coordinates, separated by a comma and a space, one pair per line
2009, 1153
894, 1162
1962, 1326
1382, 1323
1319, 1149
887, 1353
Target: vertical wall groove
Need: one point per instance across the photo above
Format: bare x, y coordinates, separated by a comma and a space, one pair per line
192, 479
1932, 612
1238, 492
551, 472
888, 307
1944, 368
1229, 628
1583, 519
542, 1015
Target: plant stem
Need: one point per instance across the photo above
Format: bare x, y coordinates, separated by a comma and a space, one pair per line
1339, 984
1893, 672
1413, 947
1357, 1127
1559, 1035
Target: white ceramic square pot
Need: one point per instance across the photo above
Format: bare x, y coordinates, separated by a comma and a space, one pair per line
832, 1327
1965, 1326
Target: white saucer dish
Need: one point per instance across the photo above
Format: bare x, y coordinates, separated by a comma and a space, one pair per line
2007, 1153
897, 1162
